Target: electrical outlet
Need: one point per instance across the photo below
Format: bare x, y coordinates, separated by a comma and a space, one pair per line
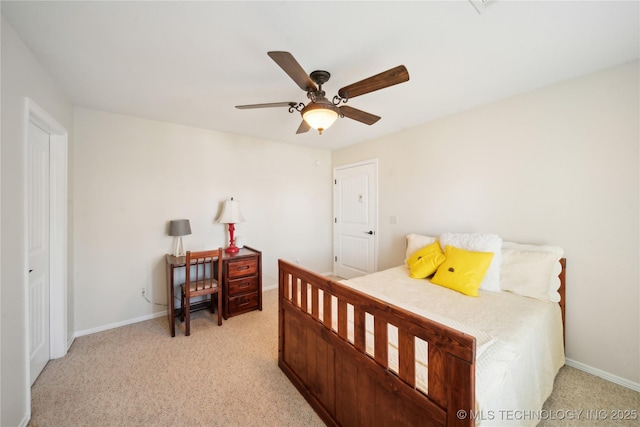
143, 292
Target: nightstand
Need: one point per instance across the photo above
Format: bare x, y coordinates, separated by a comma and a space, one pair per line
242, 282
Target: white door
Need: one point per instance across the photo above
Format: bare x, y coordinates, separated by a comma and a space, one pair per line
38, 228
355, 219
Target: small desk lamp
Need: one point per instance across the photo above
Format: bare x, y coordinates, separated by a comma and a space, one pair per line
231, 215
179, 228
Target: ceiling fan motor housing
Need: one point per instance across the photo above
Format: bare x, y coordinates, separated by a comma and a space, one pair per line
320, 77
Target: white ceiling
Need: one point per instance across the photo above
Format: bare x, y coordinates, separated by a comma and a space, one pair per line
192, 62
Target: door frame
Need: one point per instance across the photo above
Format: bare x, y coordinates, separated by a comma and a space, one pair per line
376, 239
58, 190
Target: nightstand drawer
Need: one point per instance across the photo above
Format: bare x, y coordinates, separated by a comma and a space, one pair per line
243, 267
243, 303
243, 286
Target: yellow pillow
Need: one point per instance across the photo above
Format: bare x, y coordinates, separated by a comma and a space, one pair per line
425, 261
462, 270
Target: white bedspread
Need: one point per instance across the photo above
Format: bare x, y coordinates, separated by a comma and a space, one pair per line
519, 341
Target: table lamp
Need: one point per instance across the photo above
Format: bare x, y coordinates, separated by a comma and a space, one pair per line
231, 215
179, 228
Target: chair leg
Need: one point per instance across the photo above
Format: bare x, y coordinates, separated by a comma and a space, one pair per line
187, 330
219, 307
182, 306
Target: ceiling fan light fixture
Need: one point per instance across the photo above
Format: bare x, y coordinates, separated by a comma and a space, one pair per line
320, 115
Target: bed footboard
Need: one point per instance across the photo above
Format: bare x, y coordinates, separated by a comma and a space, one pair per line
345, 384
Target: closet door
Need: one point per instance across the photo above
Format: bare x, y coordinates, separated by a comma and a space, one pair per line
39, 250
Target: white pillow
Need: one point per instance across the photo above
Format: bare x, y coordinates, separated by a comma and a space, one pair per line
415, 242
531, 270
479, 243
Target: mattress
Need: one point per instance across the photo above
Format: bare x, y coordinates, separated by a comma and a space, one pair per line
519, 341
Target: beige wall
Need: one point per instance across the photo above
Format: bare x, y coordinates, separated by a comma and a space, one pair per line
134, 175
560, 166
22, 76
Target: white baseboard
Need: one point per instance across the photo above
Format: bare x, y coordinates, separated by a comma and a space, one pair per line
25, 421
119, 324
604, 375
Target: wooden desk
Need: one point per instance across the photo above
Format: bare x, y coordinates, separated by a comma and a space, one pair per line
241, 284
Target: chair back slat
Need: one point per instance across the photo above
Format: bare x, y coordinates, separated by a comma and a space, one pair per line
200, 272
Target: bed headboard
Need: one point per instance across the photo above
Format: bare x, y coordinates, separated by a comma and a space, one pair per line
562, 289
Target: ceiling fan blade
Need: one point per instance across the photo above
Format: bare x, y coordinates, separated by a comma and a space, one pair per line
304, 127
269, 105
359, 115
385, 79
288, 63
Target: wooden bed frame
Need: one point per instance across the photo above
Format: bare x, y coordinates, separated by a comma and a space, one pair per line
348, 387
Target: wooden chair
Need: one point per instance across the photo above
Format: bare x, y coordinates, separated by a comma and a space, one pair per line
205, 279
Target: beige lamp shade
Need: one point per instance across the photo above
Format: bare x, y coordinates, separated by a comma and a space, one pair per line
231, 213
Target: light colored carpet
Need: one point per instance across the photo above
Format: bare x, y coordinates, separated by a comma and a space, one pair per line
138, 375
582, 399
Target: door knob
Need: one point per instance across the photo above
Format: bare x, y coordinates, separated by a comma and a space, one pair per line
369, 232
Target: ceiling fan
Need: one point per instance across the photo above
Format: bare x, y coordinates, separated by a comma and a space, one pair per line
321, 113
